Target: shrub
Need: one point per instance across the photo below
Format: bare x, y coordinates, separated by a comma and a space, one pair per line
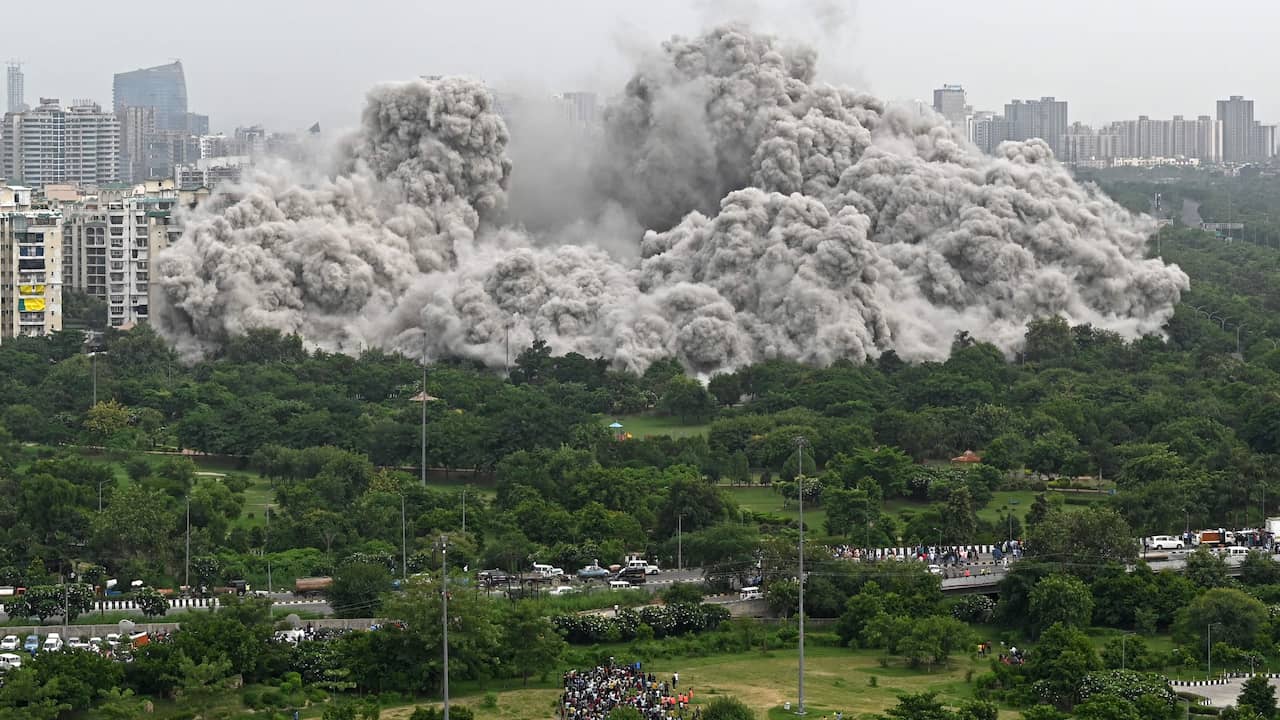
974, 609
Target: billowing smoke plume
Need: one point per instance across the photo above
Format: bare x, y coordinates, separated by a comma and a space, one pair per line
790, 219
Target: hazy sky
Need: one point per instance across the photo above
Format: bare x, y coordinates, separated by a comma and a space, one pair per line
288, 63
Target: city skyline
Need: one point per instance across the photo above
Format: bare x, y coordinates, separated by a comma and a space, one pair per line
870, 46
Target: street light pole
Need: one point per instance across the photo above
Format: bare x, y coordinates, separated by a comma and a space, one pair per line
404, 552
679, 541
187, 573
464, 509
444, 608
800, 443
94, 356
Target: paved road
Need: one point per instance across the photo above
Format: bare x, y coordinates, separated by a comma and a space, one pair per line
1223, 694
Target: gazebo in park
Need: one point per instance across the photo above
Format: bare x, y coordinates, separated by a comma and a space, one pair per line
615, 427
967, 457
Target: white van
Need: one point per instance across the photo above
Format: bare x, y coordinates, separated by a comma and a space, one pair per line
1166, 542
751, 593
619, 585
52, 643
1237, 551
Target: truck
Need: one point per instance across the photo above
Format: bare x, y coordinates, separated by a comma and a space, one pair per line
1212, 537
311, 586
1273, 525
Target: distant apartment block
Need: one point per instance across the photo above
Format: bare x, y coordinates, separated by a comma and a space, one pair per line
30, 265
50, 144
111, 238
949, 102
15, 87
1045, 118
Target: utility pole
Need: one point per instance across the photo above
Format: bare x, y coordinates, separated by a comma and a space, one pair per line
444, 607
187, 573
94, 356
423, 461
464, 509
404, 556
267, 541
800, 443
679, 541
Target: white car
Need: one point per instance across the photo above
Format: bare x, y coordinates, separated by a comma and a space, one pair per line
77, 643
10, 643
113, 640
936, 569
10, 661
96, 644
52, 643
562, 590
1166, 542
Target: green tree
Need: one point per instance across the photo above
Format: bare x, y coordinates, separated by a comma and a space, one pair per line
687, 399
1259, 569
151, 602
357, 589
1206, 569
1259, 695
1062, 657
531, 642
728, 708
1238, 619
1060, 599
681, 592
922, 706
106, 419
1082, 541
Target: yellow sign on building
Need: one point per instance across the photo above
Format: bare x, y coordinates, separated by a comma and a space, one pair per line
31, 289
30, 304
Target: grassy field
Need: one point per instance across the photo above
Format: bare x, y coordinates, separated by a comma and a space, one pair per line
765, 500
835, 679
646, 425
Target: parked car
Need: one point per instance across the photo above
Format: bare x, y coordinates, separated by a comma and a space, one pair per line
619, 585
493, 577
32, 644
593, 572
52, 643
10, 661
751, 593
77, 643
936, 569
113, 640
562, 590
635, 576
1166, 542
10, 643
96, 644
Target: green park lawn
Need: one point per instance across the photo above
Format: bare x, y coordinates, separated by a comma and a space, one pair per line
835, 679
646, 425
765, 500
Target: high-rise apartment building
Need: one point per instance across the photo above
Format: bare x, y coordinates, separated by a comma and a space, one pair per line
949, 102
1045, 118
109, 241
1236, 116
30, 266
163, 87
989, 130
15, 88
1208, 139
52, 145
582, 108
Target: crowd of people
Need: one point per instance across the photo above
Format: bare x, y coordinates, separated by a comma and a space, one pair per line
934, 555
592, 694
